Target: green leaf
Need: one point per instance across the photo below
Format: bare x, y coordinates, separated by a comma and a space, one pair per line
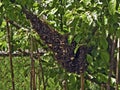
112, 7
105, 56
1, 34
78, 37
3, 24
51, 81
0, 4
53, 11
95, 53
35, 4
72, 78
89, 59
103, 43
101, 77
118, 33
86, 2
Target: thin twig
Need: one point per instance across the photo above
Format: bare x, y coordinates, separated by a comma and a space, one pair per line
42, 73
39, 79
18, 26
64, 84
102, 87
61, 17
10, 54
94, 80
111, 62
82, 81
32, 66
117, 65
39, 71
19, 53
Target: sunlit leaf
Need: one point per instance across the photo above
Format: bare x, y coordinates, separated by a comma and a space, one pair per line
112, 7
3, 24
1, 34
86, 2
0, 4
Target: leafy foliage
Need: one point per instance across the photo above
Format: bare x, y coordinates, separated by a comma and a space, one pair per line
88, 22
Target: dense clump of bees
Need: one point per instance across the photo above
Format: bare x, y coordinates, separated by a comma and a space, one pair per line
63, 51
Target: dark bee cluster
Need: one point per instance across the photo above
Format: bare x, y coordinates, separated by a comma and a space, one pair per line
63, 51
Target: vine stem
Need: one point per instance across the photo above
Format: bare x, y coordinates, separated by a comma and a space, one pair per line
10, 53
117, 65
